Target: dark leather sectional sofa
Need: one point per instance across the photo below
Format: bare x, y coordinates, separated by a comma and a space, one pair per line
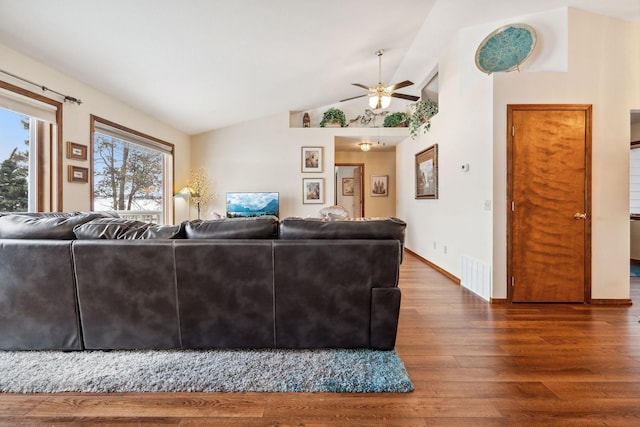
74, 281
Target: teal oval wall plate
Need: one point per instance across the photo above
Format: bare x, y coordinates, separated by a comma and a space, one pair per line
505, 48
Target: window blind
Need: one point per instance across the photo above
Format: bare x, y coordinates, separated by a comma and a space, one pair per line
114, 132
28, 106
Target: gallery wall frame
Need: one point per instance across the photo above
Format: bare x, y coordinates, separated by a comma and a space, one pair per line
312, 159
76, 151
313, 190
78, 174
427, 173
379, 185
347, 186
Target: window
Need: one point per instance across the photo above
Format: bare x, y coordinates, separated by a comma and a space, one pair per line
28, 133
14, 161
132, 173
431, 89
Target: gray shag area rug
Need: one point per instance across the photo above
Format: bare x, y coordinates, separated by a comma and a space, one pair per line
360, 371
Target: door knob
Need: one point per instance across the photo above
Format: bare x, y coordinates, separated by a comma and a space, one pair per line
579, 215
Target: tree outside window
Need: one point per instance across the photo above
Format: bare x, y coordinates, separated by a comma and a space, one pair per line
127, 176
14, 163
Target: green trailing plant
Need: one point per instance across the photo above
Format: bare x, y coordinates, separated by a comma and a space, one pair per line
333, 115
395, 120
421, 113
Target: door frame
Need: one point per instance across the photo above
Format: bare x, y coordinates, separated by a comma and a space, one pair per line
587, 108
361, 182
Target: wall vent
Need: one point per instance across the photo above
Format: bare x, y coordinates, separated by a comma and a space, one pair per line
476, 276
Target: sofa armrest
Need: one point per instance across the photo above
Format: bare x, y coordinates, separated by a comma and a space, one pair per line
385, 310
38, 309
323, 291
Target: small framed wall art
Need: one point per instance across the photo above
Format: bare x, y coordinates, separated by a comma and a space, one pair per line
313, 190
347, 186
311, 159
78, 174
379, 185
76, 151
427, 173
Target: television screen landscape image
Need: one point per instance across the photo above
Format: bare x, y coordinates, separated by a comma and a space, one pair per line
249, 204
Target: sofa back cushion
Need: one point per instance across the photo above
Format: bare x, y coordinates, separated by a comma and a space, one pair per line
128, 229
262, 227
354, 228
53, 225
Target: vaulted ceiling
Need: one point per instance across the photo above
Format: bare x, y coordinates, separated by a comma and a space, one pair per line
204, 64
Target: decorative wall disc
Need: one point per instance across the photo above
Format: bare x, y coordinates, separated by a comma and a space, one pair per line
505, 48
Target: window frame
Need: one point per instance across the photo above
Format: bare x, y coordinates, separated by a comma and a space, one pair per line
54, 188
169, 209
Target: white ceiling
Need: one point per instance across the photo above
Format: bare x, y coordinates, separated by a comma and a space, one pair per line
204, 64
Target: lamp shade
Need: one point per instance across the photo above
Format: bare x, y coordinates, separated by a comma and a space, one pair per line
186, 193
379, 101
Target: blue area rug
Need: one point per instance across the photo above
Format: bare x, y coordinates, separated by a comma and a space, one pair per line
635, 270
339, 371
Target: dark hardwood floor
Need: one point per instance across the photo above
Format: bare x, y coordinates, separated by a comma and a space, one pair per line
472, 364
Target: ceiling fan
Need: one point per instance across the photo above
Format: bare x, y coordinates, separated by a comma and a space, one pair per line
380, 95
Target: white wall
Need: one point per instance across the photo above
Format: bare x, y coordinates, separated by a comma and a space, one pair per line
264, 155
456, 223
604, 65
460, 222
75, 119
601, 67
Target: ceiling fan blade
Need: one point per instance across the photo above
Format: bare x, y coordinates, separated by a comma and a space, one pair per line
353, 97
400, 85
403, 96
361, 85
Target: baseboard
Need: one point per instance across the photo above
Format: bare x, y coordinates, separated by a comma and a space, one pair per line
611, 302
498, 301
434, 266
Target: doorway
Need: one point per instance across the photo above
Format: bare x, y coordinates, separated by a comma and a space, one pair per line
349, 179
634, 196
549, 191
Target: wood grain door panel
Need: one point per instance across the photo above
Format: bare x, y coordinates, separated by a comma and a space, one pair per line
548, 170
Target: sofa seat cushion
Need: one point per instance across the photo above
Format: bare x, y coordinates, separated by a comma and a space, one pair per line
353, 228
262, 227
43, 226
129, 229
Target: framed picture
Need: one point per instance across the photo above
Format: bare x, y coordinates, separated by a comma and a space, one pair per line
312, 190
427, 173
311, 159
347, 186
78, 174
76, 151
379, 185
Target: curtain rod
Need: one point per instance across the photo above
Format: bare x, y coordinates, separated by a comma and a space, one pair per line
67, 98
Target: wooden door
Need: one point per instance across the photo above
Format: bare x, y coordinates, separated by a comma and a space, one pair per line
549, 170
357, 192
357, 206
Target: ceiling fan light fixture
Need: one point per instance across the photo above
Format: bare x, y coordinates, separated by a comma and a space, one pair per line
365, 146
377, 101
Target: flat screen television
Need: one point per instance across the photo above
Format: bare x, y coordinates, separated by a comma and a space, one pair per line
248, 204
